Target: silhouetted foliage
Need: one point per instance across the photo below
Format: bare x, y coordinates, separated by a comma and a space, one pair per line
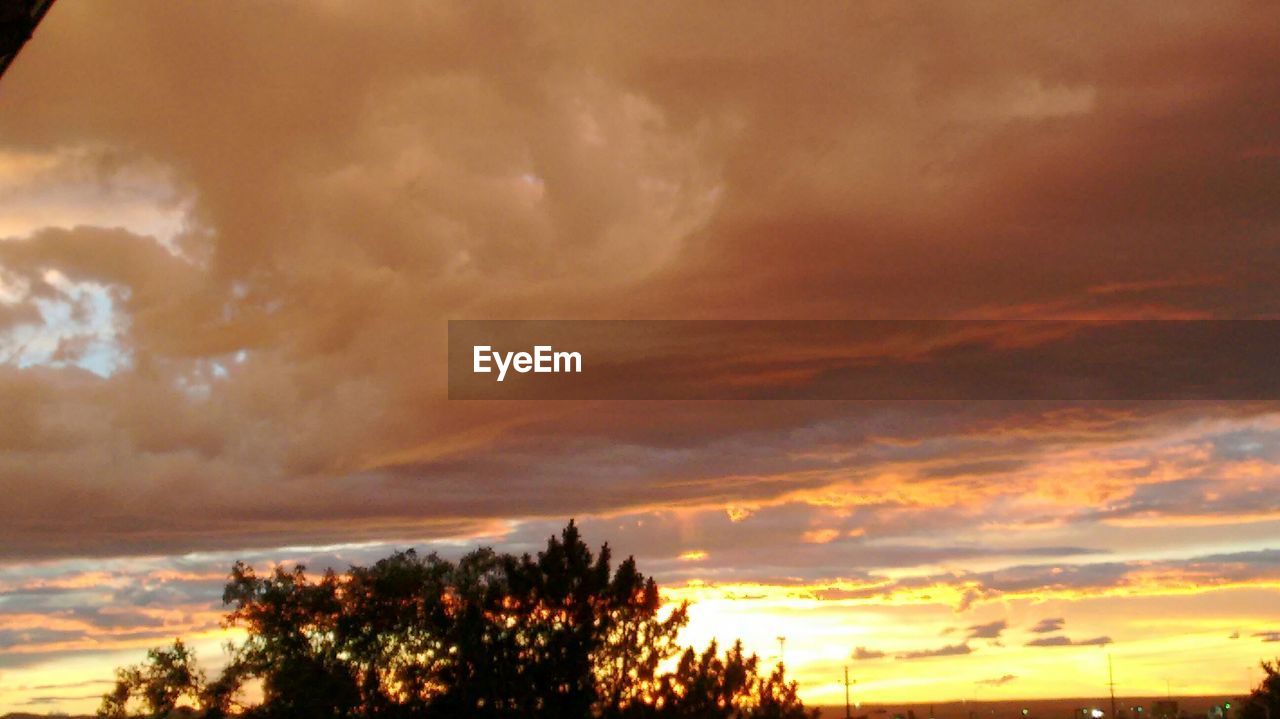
168, 676
562, 634
1264, 702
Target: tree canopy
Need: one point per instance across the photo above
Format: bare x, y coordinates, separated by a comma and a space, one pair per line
561, 634
1264, 701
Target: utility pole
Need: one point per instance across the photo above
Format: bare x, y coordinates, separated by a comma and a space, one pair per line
782, 650
1111, 682
848, 714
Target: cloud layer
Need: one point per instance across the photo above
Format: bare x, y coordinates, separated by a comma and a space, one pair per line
229, 254
276, 359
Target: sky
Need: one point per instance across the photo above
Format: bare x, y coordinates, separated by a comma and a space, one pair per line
232, 234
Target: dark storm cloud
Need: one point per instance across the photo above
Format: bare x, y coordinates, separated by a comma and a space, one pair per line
928, 161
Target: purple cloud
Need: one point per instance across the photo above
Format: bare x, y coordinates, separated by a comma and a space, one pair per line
1061, 641
951, 650
1048, 626
990, 630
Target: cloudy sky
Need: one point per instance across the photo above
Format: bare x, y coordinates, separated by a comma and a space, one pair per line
232, 234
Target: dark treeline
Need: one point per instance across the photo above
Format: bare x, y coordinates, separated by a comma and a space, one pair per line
563, 634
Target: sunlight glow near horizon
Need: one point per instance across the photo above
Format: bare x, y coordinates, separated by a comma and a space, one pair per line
818, 640
1161, 635
1165, 617
818, 635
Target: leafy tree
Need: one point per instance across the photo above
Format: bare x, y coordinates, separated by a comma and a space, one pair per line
711, 686
168, 676
292, 643
558, 634
638, 642
1264, 702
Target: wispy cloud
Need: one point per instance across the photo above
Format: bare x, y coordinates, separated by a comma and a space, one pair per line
950, 650
990, 630
1046, 626
1061, 641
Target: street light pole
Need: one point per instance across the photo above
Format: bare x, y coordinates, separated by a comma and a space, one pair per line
1111, 682
847, 713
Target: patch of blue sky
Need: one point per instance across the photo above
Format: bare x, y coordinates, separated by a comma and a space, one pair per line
78, 328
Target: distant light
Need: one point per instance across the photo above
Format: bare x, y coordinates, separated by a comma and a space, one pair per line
1097, 714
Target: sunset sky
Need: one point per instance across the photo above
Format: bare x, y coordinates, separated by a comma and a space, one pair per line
232, 234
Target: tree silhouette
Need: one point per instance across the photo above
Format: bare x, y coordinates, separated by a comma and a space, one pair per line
1264, 701
559, 634
707, 686
168, 676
